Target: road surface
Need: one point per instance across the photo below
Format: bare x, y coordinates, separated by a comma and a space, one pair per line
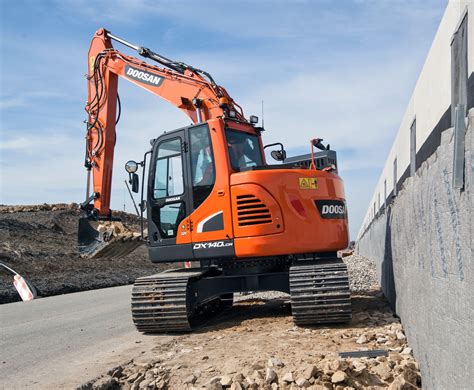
66, 340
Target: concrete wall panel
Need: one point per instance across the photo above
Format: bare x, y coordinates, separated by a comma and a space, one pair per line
430, 100
423, 247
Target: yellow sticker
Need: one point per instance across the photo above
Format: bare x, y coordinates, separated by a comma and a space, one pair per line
91, 63
308, 183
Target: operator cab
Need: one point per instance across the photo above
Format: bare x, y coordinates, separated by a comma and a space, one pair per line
191, 199
182, 180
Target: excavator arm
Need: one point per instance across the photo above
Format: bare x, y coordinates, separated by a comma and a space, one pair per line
190, 89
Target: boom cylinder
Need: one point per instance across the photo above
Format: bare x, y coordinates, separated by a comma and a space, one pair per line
145, 52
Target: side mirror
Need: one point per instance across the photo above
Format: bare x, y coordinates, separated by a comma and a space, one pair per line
279, 155
131, 166
134, 181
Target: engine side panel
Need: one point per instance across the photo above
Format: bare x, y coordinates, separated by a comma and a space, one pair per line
255, 211
313, 213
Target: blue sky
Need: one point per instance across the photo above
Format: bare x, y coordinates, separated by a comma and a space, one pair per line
340, 70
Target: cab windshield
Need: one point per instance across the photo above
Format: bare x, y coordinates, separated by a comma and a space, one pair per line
244, 149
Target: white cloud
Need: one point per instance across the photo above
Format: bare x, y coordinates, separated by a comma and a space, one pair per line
16, 143
264, 19
32, 143
12, 102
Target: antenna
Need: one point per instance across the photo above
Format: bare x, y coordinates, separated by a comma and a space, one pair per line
263, 118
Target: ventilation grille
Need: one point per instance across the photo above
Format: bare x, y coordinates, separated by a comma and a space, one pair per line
252, 211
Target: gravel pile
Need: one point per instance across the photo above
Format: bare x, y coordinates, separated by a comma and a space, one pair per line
362, 273
362, 277
266, 295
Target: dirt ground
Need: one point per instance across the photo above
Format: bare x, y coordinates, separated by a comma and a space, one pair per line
40, 243
255, 345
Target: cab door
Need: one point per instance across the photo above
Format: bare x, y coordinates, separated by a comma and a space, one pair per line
169, 199
209, 183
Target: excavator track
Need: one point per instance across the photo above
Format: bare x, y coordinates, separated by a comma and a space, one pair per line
162, 303
320, 292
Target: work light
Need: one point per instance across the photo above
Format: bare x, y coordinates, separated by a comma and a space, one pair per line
253, 119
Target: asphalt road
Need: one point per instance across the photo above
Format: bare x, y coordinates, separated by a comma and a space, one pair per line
66, 340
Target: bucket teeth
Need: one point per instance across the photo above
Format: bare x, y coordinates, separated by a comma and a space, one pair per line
108, 239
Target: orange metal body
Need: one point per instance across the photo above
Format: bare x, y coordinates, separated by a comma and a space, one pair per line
295, 227
290, 222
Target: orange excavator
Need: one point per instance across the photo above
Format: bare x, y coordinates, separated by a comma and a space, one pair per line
208, 196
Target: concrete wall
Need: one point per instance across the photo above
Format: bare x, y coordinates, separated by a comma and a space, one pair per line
429, 104
421, 235
423, 246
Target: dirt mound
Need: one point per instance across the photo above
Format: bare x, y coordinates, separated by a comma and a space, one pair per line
40, 242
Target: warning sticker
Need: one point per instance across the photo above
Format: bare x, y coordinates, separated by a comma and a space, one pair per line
308, 183
91, 63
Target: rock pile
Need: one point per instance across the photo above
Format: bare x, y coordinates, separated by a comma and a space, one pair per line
316, 371
397, 372
135, 375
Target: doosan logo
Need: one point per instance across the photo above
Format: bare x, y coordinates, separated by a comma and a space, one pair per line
333, 209
143, 76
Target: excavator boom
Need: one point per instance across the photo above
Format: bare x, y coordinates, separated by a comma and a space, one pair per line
192, 90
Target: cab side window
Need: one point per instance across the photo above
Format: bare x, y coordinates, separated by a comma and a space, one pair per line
169, 179
244, 149
203, 170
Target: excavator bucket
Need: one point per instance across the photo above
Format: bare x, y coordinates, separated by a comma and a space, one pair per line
106, 239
